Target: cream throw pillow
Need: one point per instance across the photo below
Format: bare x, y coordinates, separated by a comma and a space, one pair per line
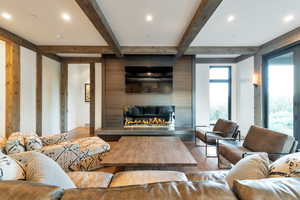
251, 167
286, 166
42, 169
10, 169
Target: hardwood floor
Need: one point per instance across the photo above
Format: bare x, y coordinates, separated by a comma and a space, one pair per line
197, 152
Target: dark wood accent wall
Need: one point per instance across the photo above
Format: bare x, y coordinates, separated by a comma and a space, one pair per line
39, 94
92, 103
13, 73
64, 97
115, 98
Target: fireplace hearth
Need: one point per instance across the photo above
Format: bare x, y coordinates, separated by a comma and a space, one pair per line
149, 117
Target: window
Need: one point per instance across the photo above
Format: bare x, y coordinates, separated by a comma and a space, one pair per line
219, 93
279, 93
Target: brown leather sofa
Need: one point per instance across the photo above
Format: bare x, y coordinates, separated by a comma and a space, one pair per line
257, 140
207, 185
222, 129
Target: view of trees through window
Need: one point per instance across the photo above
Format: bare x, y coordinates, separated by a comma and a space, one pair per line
219, 93
281, 94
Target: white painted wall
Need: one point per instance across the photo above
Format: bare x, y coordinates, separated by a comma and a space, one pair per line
98, 96
245, 91
28, 91
78, 109
202, 92
51, 99
2, 88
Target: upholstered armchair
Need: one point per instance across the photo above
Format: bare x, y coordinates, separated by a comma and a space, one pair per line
222, 129
258, 139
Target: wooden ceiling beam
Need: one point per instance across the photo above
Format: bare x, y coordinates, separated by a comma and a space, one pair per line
215, 60
243, 57
97, 18
202, 15
148, 50
9, 36
77, 60
222, 50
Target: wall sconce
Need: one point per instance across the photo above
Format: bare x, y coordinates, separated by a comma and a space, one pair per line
255, 80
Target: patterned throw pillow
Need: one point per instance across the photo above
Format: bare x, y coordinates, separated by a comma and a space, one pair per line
10, 169
286, 166
55, 139
15, 143
33, 142
2, 145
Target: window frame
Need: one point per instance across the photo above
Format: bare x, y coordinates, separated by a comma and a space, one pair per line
229, 82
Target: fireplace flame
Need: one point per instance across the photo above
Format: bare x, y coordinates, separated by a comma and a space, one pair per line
151, 121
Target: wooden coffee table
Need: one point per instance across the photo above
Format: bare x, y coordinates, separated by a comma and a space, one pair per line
147, 151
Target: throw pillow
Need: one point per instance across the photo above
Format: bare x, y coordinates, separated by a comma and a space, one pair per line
286, 166
269, 188
15, 143
2, 144
10, 169
251, 167
33, 142
42, 169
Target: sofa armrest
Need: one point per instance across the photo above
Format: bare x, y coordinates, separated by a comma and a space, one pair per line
55, 139
65, 154
269, 154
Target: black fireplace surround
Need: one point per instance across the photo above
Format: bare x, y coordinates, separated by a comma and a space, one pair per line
149, 116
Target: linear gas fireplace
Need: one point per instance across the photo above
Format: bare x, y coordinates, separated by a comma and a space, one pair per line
149, 117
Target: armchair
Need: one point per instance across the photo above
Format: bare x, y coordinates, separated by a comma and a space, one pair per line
222, 129
257, 140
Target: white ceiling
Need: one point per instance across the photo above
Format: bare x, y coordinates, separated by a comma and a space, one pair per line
257, 22
217, 55
39, 21
170, 19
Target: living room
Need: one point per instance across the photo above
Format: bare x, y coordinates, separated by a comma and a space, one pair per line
148, 99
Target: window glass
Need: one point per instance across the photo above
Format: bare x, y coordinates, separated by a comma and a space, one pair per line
218, 73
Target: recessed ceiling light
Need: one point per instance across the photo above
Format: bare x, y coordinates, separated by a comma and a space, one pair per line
288, 18
149, 18
230, 18
6, 15
66, 17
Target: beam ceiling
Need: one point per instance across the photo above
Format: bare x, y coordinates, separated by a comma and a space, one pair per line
202, 15
97, 18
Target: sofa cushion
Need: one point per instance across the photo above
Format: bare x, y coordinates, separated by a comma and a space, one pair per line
10, 169
15, 143
270, 189
264, 140
145, 177
24, 190
92, 150
216, 176
286, 166
207, 190
91, 179
232, 150
42, 169
33, 142
251, 167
